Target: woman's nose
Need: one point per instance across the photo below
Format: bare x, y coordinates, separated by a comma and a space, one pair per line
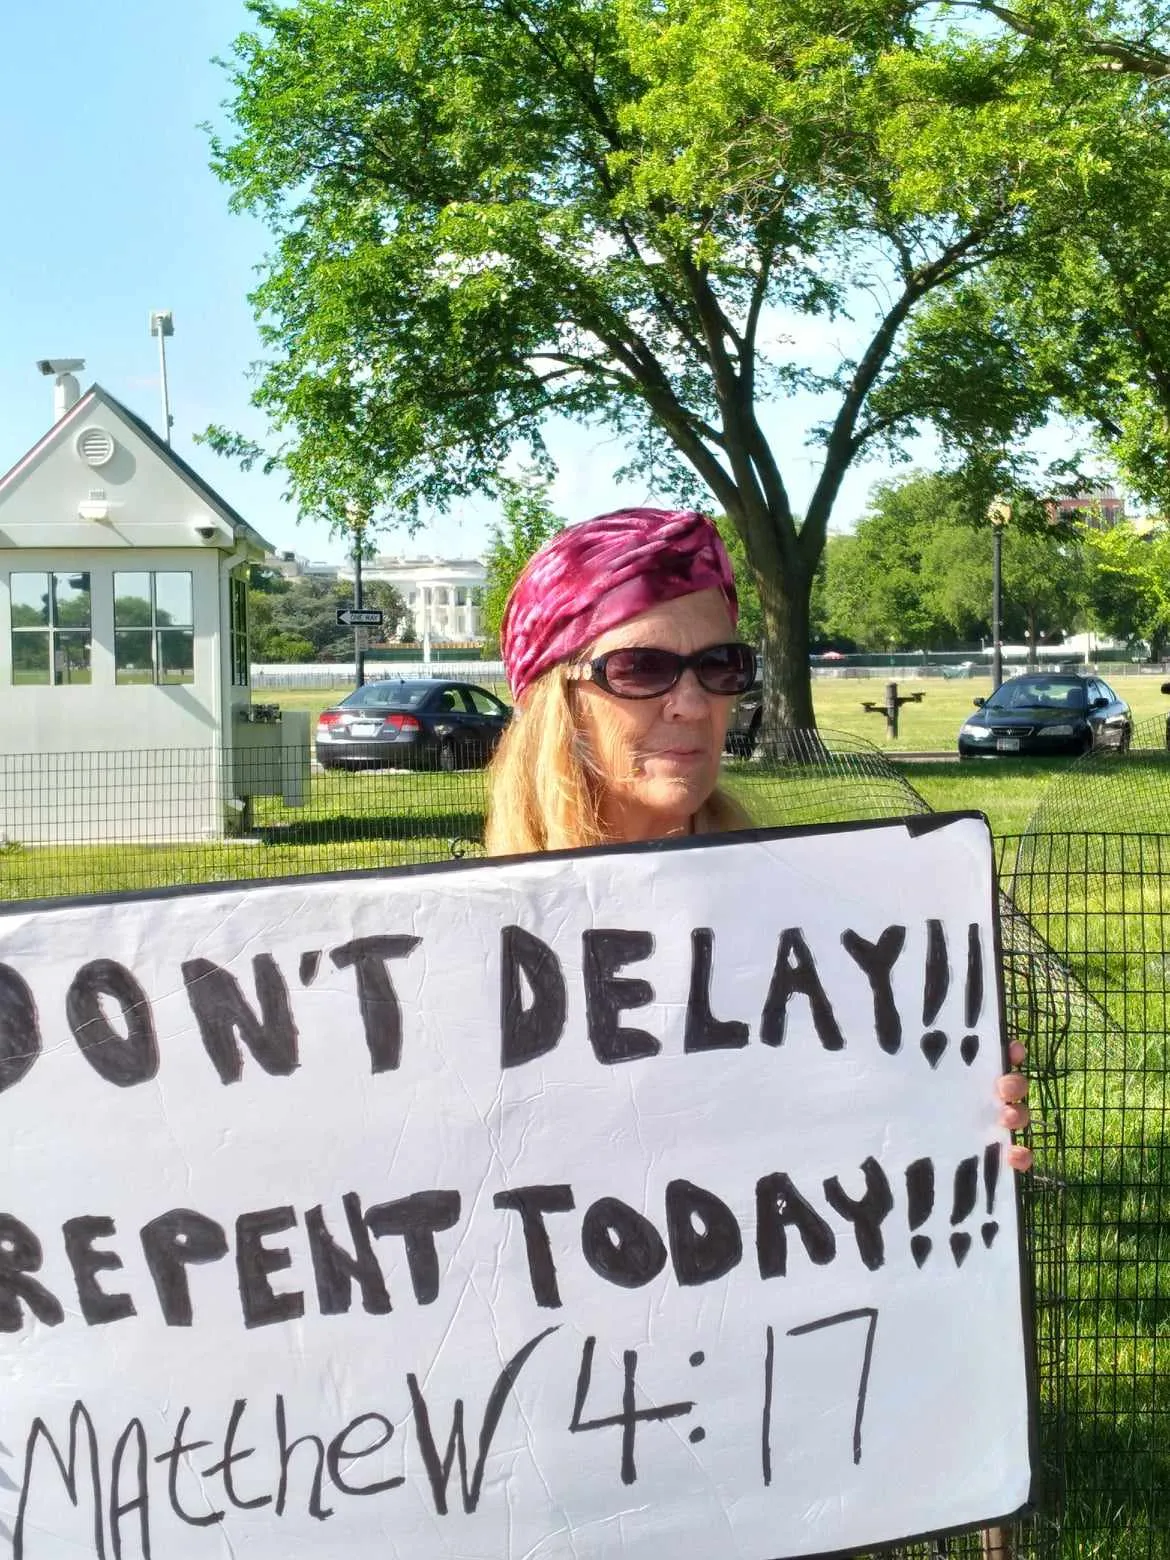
687, 700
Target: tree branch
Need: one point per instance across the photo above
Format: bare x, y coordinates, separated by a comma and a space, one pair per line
761, 491
747, 347
1133, 58
841, 447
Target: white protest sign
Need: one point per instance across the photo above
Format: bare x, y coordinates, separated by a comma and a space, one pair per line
627, 1203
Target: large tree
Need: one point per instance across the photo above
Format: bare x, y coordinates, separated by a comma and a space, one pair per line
487, 213
1075, 315
881, 585
917, 574
1130, 583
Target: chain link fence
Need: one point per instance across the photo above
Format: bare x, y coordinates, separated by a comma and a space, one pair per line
1084, 912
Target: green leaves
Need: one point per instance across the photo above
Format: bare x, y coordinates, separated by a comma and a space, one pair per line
1130, 582
918, 572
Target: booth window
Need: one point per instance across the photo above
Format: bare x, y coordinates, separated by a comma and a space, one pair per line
154, 636
51, 628
238, 620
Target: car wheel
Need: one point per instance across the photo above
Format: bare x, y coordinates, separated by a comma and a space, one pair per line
1126, 740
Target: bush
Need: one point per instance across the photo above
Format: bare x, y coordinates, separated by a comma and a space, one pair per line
282, 647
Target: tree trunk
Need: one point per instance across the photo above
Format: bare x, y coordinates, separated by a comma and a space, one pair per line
788, 705
1033, 636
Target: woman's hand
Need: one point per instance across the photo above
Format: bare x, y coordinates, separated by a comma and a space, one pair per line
1012, 1089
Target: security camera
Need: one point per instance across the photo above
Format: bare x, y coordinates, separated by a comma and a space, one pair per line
207, 532
60, 365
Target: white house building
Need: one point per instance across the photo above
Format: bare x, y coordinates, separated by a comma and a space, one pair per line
441, 594
124, 665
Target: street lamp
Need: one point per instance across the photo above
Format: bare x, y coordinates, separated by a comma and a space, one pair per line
357, 526
162, 325
999, 512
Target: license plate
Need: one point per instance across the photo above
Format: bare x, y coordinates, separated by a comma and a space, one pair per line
369, 728
1007, 744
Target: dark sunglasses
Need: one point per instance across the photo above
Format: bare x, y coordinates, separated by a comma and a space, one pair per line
642, 673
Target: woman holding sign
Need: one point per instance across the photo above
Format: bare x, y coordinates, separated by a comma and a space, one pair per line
619, 646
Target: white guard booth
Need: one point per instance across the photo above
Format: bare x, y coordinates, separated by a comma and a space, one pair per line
124, 664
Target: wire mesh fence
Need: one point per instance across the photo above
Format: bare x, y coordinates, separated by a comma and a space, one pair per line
1084, 912
83, 823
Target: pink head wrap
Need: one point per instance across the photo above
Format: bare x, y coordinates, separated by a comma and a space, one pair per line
595, 575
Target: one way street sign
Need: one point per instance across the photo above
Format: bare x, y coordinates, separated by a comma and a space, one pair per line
365, 617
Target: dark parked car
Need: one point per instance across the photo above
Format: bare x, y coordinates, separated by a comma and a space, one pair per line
1047, 713
743, 729
426, 725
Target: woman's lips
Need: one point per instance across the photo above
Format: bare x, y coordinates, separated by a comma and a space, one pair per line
678, 755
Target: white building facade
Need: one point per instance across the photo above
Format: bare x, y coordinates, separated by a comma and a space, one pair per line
442, 595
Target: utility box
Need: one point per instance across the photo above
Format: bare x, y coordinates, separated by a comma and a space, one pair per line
270, 753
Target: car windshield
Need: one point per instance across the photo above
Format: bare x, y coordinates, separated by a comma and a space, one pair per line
1039, 693
387, 696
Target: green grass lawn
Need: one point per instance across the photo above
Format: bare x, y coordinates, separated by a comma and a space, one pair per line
1007, 791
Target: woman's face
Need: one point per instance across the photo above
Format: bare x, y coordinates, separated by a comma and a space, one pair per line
658, 758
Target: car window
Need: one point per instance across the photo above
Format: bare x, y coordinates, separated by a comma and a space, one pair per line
1106, 692
359, 696
448, 701
1068, 695
484, 703
1013, 696
386, 696
1039, 693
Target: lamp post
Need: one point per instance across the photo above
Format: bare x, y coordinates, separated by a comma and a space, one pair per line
999, 513
162, 325
357, 524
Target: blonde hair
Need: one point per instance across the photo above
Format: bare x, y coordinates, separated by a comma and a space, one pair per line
544, 791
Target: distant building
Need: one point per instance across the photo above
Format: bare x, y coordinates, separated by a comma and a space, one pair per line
1099, 510
442, 595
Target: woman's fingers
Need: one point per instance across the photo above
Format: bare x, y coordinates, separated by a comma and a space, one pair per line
1019, 1157
1015, 1116
1012, 1088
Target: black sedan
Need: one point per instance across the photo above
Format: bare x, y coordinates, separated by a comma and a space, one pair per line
424, 725
1043, 714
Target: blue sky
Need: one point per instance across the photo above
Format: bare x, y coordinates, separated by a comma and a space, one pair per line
111, 211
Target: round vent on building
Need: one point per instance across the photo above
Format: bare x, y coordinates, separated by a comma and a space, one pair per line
95, 446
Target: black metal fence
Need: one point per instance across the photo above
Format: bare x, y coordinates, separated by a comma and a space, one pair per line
1085, 912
